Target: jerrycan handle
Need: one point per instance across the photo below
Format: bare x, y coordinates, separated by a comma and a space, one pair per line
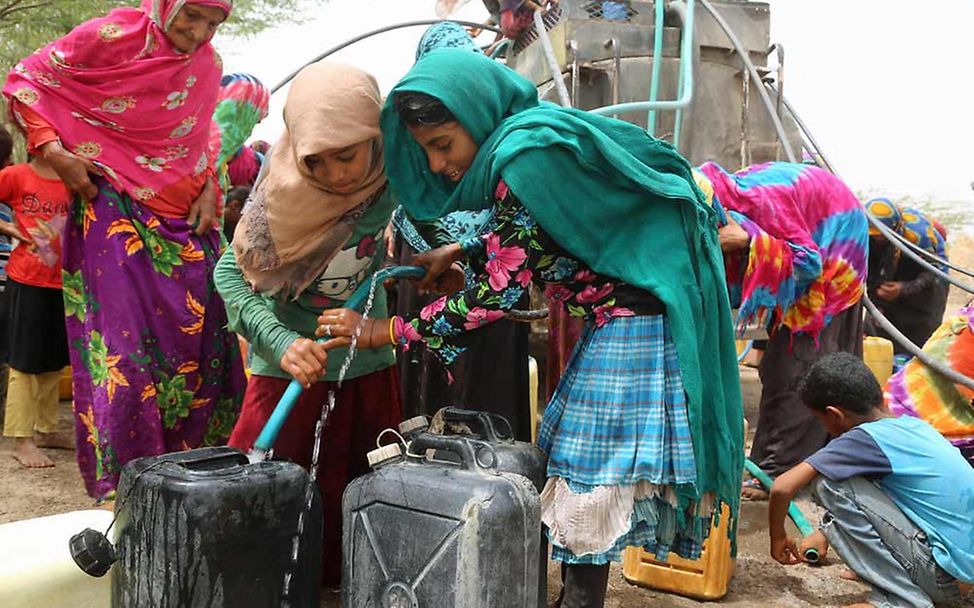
207, 459
492, 427
469, 450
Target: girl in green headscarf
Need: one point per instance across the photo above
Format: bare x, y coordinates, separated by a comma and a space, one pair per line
642, 449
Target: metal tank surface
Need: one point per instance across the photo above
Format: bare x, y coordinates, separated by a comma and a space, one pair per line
427, 533
606, 57
205, 528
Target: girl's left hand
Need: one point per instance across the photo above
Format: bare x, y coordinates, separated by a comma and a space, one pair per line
339, 324
203, 210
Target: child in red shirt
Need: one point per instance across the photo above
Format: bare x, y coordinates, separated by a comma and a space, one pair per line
38, 340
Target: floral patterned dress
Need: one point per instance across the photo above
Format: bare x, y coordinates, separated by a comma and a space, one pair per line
514, 252
155, 369
616, 431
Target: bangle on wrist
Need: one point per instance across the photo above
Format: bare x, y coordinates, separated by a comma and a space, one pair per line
392, 330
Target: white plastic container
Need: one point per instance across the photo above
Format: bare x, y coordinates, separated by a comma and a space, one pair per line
36, 569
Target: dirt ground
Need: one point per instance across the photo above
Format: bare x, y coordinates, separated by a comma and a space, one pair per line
759, 581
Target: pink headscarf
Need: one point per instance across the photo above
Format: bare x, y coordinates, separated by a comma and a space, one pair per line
120, 95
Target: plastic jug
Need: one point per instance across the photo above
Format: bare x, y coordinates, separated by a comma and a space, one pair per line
207, 528
422, 532
36, 569
877, 353
512, 456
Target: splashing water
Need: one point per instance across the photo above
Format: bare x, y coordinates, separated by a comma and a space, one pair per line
326, 409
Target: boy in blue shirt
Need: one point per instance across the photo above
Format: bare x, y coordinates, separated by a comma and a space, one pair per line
899, 498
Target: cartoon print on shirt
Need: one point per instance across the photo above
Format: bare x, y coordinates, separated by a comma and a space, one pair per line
348, 269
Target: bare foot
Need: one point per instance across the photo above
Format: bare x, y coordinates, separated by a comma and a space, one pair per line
27, 454
753, 490
849, 575
55, 441
859, 605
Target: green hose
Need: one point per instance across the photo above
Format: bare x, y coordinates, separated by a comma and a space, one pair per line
804, 528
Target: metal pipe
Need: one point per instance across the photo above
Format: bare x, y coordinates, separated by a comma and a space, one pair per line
381, 30
657, 64
755, 77
891, 236
553, 66
680, 9
527, 316
745, 110
897, 238
686, 72
951, 374
780, 49
573, 47
616, 68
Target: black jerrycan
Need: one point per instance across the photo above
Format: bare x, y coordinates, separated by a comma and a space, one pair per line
422, 532
206, 528
513, 456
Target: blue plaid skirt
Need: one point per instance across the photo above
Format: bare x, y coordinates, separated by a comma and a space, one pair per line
618, 417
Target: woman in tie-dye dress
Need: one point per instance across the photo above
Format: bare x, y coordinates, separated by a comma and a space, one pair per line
121, 107
795, 249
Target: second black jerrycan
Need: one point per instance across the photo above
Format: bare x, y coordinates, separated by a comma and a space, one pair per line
512, 456
423, 532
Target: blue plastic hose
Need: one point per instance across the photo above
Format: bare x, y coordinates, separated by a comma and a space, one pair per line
265, 441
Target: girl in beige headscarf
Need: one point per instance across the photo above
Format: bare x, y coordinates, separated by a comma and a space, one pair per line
313, 231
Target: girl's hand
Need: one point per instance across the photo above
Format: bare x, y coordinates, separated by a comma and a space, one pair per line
436, 262
339, 325
305, 360
10, 229
203, 210
72, 169
732, 237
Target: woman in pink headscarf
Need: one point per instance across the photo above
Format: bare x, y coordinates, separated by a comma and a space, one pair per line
121, 108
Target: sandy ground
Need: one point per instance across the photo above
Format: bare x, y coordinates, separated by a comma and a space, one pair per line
759, 581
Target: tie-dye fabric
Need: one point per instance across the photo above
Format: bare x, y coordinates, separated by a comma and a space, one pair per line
242, 103
918, 391
809, 239
122, 96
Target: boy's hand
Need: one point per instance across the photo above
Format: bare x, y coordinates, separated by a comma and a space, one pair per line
785, 550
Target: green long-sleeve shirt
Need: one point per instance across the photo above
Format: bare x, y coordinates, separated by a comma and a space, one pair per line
272, 324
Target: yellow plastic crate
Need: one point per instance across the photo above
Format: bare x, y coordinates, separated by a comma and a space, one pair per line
706, 578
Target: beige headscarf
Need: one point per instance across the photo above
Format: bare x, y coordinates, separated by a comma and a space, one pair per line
293, 225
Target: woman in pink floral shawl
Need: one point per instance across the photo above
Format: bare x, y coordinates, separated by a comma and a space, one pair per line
121, 107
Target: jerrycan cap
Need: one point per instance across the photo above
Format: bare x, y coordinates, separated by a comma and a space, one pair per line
413, 425
383, 454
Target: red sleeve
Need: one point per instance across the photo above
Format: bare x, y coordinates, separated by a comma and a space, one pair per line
39, 131
6, 183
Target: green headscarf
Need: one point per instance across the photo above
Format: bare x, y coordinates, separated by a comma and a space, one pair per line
621, 201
